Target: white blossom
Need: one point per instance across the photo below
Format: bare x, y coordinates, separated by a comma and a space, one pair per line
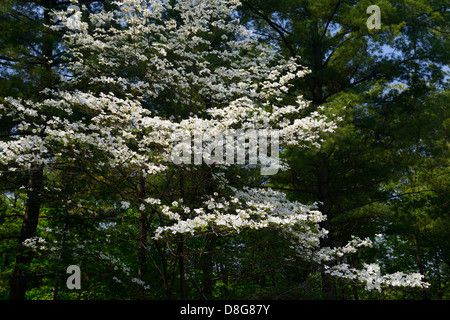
243, 89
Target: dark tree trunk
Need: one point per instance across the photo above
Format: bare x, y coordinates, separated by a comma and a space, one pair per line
208, 267
20, 276
142, 236
328, 287
180, 254
420, 264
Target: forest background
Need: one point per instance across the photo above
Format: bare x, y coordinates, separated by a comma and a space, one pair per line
383, 174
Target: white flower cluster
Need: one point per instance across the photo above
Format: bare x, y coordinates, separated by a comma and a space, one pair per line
83, 249
35, 243
205, 64
239, 90
247, 209
122, 267
327, 254
371, 276
40, 244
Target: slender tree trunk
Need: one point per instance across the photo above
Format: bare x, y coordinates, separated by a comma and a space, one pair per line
180, 254
20, 275
63, 247
142, 250
316, 46
420, 265
163, 270
180, 248
142, 236
328, 287
208, 267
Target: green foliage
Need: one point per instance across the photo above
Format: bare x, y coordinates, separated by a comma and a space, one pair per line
390, 88
383, 172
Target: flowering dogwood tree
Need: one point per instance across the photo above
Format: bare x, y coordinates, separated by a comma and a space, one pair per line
154, 72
